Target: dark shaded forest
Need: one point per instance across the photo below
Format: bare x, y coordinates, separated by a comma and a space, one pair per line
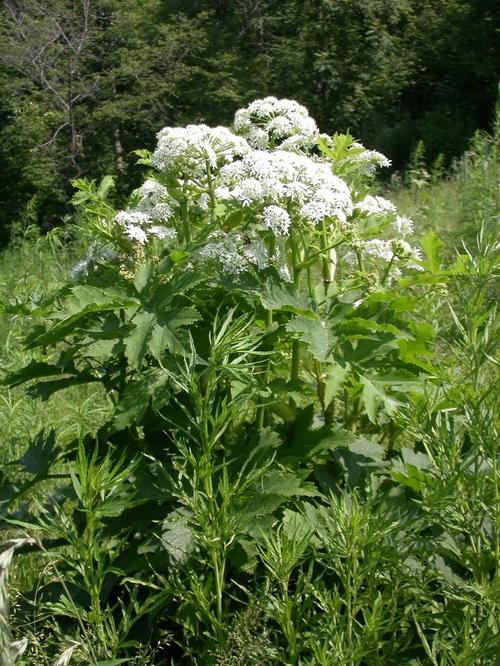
85, 83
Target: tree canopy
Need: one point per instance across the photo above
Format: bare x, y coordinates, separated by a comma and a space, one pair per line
85, 83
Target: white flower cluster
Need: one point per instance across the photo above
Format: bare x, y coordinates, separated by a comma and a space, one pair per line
94, 256
403, 226
280, 180
188, 150
394, 251
375, 205
267, 168
155, 201
277, 220
366, 161
271, 122
139, 227
148, 219
235, 253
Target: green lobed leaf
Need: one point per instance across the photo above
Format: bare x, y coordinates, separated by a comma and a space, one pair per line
177, 537
309, 443
143, 275
314, 333
136, 341
374, 396
334, 377
137, 396
432, 247
84, 300
285, 296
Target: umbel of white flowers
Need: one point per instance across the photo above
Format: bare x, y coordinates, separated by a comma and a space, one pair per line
268, 167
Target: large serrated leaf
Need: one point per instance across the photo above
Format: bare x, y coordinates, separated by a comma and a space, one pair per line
334, 377
374, 396
136, 341
84, 300
166, 335
432, 247
178, 285
311, 444
143, 275
285, 296
355, 325
273, 489
137, 397
359, 459
177, 537
314, 333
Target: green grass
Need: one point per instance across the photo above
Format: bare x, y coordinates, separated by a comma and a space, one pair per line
33, 267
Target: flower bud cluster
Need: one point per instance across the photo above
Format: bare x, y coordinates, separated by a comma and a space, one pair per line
271, 122
189, 151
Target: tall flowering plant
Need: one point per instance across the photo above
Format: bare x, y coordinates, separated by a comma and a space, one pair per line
247, 316
273, 216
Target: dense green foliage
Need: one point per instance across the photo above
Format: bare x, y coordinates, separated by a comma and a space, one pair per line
82, 84
208, 507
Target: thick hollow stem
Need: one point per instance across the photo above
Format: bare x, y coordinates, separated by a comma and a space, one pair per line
185, 221
296, 280
326, 266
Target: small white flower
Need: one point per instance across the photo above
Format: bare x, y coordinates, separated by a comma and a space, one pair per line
132, 217
152, 190
249, 191
403, 226
135, 233
256, 254
204, 201
235, 253
277, 220
367, 161
284, 273
280, 126
375, 205
162, 211
80, 269
271, 121
94, 256
193, 149
258, 138
163, 232
380, 249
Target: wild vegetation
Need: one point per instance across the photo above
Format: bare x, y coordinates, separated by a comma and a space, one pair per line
261, 424
248, 371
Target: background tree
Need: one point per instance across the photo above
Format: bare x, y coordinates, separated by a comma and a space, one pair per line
85, 83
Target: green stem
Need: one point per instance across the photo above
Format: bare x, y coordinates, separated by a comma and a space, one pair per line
307, 261
361, 263
294, 375
326, 267
354, 415
310, 285
389, 266
211, 192
262, 413
185, 221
